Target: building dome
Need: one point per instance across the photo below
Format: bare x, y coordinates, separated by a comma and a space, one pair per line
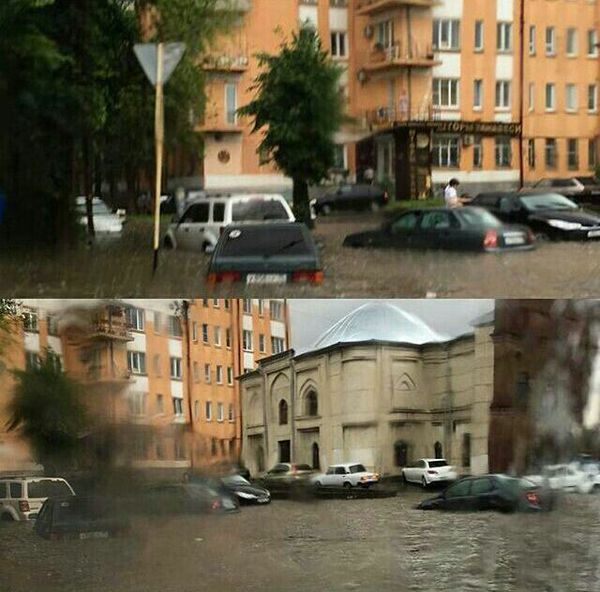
379, 321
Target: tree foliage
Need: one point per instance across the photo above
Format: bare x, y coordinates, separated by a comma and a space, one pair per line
298, 106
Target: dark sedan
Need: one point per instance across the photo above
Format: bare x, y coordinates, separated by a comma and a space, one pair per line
467, 229
491, 492
549, 215
351, 197
274, 253
246, 492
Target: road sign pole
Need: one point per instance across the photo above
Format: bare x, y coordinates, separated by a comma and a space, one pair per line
159, 138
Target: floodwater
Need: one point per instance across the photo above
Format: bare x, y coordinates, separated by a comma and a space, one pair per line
124, 268
334, 545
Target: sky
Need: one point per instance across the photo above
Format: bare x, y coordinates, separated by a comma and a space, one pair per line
312, 317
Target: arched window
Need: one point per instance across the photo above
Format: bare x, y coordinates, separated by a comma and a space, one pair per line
400, 453
312, 404
316, 460
283, 412
437, 450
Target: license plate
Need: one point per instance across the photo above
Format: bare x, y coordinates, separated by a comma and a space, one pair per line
514, 240
266, 278
593, 233
94, 535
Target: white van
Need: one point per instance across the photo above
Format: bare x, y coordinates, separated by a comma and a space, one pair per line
21, 498
203, 220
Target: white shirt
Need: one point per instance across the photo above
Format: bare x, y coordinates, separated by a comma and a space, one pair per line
451, 197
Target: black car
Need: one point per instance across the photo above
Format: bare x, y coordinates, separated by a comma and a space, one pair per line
235, 486
584, 189
274, 253
465, 228
491, 492
351, 197
549, 215
80, 517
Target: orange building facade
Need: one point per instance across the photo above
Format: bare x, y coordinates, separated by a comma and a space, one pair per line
473, 89
158, 376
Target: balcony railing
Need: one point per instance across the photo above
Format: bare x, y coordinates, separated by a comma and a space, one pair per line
401, 54
226, 63
371, 7
104, 329
387, 116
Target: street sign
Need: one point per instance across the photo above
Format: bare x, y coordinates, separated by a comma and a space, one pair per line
147, 53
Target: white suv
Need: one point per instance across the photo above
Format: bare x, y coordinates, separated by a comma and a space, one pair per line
21, 498
203, 219
346, 475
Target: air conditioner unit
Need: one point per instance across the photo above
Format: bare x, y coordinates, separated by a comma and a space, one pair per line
368, 31
468, 140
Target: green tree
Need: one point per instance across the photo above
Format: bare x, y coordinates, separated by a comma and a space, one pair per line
298, 106
9, 317
47, 409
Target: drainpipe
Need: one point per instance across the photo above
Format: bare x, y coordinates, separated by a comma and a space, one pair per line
292, 410
521, 91
188, 378
235, 331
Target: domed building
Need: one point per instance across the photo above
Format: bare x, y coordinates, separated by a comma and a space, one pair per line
379, 387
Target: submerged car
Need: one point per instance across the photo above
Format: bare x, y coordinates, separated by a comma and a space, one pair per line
346, 475
426, 471
246, 492
350, 197
80, 517
275, 253
463, 229
550, 216
107, 223
583, 189
568, 477
491, 492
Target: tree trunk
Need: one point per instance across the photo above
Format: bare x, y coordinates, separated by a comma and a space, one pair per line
88, 185
302, 202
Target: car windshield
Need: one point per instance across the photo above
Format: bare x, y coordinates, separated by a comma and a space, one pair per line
235, 480
477, 217
258, 209
438, 463
267, 241
47, 488
548, 201
357, 469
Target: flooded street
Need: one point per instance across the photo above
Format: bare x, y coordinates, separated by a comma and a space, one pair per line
123, 268
337, 545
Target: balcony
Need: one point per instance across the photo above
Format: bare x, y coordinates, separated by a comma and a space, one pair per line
234, 5
373, 7
400, 55
231, 63
385, 117
111, 374
110, 329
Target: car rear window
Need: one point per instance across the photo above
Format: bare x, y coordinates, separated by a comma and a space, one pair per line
218, 212
16, 490
258, 209
47, 488
3, 490
478, 217
270, 240
357, 469
438, 463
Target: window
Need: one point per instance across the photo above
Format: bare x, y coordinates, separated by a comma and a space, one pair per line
137, 403
208, 410
247, 340
571, 42
261, 344
52, 324
532, 40
384, 33
459, 489
194, 331
55, 360
160, 404
435, 219
592, 153
196, 371
247, 305
572, 154
502, 152
478, 36
16, 490
283, 412
504, 36
466, 451
503, 94
477, 153
176, 368
196, 410
135, 318
230, 103
531, 96
446, 34
30, 321
571, 97
226, 304
277, 345
217, 335
445, 92
136, 362
220, 415
338, 44
229, 375
531, 153
156, 364
477, 93
174, 326
592, 98
479, 486
228, 337
205, 302
312, 404
32, 360
219, 374
550, 153
550, 98
204, 333
550, 41
215, 303
276, 310
261, 307
446, 151
592, 43
207, 373
230, 412
177, 406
